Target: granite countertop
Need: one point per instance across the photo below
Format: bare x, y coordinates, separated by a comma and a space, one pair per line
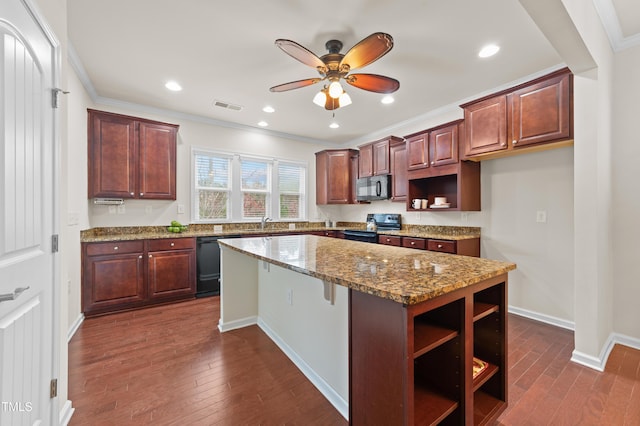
205, 230
404, 275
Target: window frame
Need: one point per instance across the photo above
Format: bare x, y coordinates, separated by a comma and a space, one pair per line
235, 197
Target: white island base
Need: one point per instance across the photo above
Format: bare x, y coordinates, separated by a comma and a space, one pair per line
305, 317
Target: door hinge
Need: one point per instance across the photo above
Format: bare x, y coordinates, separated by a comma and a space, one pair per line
53, 388
54, 243
55, 102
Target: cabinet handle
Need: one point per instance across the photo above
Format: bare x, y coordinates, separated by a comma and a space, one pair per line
140, 257
172, 244
513, 142
413, 243
141, 194
503, 144
433, 162
115, 247
132, 194
150, 256
388, 240
439, 245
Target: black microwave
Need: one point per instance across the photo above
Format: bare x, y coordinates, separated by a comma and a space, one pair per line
373, 188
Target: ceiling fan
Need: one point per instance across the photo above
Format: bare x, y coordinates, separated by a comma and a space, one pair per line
335, 66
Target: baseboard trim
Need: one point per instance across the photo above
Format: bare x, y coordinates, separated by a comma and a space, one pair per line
66, 413
624, 340
332, 396
547, 319
240, 323
75, 326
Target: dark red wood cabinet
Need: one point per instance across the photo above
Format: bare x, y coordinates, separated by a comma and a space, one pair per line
413, 364
131, 157
124, 275
398, 162
336, 172
534, 115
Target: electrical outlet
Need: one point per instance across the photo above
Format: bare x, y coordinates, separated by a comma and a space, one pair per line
148, 209
217, 228
290, 296
464, 217
180, 208
121, 209
292, 226
541, 216
112, 209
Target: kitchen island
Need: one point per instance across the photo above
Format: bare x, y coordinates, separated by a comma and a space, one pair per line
388, 334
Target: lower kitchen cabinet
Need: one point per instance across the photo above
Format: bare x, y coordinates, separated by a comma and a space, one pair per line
465, 247
416, 364
171, 268
123, 275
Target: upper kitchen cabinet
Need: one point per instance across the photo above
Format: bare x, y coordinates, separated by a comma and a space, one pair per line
130, 157
434, 147
336, 172
533, 116
398, 161
374, 157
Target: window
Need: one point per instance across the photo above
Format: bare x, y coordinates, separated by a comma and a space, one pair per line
255, 186
213, 186
291, 189
230, 187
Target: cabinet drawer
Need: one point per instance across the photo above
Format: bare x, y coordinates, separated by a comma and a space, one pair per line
171, 244
417, 243
444, 246
390, 240
114, 247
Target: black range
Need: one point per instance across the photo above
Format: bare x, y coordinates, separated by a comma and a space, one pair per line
383, 222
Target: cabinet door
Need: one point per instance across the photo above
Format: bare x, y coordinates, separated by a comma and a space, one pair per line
365, 161
113, 155
157, 161
541, 112
417, 152
112, 282
486, 126
399, 182
443, 146
381, 164
171, 274
335, 172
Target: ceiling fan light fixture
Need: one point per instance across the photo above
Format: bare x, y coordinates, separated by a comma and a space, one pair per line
335, 89
320, 98
344, 100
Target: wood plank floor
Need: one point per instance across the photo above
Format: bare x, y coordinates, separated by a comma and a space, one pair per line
169, 365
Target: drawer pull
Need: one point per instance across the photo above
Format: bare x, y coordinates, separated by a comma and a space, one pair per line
132, 194
141, 194
514, 142
388, 240
433, 163
115, 247
140, 257
172, 244
150, 256
413, 243
439, 245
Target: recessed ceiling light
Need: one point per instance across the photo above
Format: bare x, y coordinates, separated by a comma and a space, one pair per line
268, 108
387, 99
488, 50
173, 86
263, 124
334, 125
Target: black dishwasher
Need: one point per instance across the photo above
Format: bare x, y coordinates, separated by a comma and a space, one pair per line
208, 265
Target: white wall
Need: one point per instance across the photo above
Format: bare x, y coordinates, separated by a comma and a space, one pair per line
626, 193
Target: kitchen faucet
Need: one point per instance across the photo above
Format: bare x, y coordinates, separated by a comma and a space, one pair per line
264, 221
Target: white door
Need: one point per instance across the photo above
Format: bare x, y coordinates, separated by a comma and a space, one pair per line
27, 186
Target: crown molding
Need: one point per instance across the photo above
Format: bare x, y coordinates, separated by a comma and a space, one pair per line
611, 23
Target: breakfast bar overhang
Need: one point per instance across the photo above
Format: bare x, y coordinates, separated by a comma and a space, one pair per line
389, 335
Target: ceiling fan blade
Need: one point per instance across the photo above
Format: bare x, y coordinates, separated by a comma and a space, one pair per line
367, 50
294, 84
373, 82
300, 53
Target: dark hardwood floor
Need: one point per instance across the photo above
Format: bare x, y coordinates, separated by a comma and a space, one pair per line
170, 365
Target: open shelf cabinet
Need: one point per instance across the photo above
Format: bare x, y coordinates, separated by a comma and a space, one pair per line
413, 364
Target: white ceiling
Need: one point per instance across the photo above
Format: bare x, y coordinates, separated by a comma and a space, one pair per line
126, 50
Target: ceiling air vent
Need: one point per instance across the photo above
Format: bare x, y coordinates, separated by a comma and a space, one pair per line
227, 105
